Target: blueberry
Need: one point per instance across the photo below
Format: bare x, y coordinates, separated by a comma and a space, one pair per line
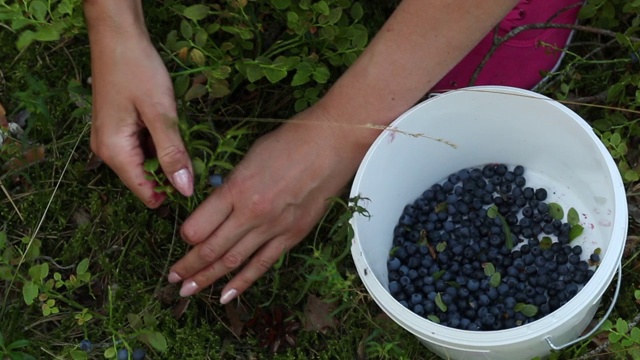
394, 287
473, 285
541, 194
86, 345
123, 354
595, 258
138, 354
215, 180
416, 298
393, 264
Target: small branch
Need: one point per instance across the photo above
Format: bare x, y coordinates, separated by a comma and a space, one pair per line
511, 34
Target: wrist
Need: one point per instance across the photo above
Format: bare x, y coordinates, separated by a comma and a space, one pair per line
114, 18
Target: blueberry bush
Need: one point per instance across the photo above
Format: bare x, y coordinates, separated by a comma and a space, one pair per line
83, 278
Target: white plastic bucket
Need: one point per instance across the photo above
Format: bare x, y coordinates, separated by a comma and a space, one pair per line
471, 127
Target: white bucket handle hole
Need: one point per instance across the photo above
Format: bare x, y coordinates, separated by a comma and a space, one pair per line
597, 327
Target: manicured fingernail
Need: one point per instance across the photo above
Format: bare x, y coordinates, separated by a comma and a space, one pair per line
183, 182
188, 288
173, 277
228, 296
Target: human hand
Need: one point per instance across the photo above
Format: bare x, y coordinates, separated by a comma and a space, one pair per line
267, 205
134, 113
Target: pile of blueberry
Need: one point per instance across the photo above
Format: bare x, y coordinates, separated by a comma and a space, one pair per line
483, 251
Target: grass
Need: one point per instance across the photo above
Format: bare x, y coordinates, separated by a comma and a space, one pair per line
64, 209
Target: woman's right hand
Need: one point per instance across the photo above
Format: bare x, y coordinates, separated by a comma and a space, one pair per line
134, 111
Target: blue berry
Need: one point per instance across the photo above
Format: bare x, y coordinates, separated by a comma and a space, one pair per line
138, 354
123, 354
394, 264
215, 180
86, 345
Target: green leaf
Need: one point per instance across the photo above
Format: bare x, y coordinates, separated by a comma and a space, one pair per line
489, 269
18, 344
254, 72
622, 326
614, 337
357, 11
495, 279
576, 230
526, 309
157, 341
442, 246
181, 85
196, 12
201, 37
110, 353
151, 165
29, 292
78, 355
492, 211
274, 75
186, 30
438, 275
281, 4
321, 74
300, 79
556, 211
635, 334
199, 167
546, 243
442, 306
38, 9
573, 218
195, 92
3, 240
6, 273
25, 39
135, 321
441, 207
615, 139
47, 33
434, 318
83, 266
321, 7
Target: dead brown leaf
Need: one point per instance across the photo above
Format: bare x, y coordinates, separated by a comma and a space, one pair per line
27, 157
3, 117
94, 162
317, 315
235, 314
181, 307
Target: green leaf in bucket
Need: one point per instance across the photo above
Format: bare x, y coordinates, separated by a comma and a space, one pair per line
489, 269
576, 230
438, 275
492, 211
441, 246
526, 309
495, 280
573, 218
441, 305
556, 211
441, 207
434, 318
546, 243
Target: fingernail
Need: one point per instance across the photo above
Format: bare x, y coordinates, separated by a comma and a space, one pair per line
183, 181
228, 296
173, 277
188, 288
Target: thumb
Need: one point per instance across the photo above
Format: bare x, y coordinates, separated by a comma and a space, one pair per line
170, 149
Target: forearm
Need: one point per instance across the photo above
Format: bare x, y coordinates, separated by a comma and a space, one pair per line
417, 46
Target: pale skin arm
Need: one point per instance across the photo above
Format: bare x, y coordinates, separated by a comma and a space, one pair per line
281, 189
132, 99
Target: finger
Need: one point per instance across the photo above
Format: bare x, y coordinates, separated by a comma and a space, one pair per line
229, 234
213, 211
172, 155
227, 263
259, 264
125, 157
